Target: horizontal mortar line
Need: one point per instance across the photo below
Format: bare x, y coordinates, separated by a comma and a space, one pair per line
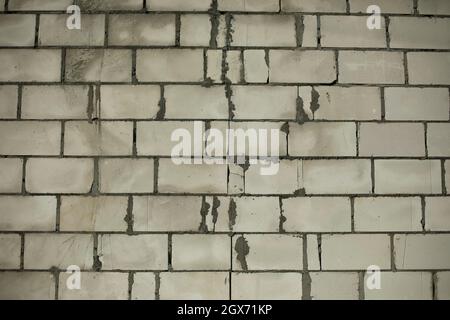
223, 271
199, 195
233, 12
217, 194
281, 157
202, 83
234, 120
228, 48
228, 233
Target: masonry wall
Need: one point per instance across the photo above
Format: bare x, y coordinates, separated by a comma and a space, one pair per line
86, 177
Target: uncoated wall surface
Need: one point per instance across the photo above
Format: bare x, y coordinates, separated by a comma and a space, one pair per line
86, 177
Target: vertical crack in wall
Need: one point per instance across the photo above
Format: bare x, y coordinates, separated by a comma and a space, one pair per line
361, 285
306, 278
130, 284
97, 265
242, 249
282, 218
162, 105
157, 285
96, 180
299, 29
214, 19
215, 211
443, 174
423, 207
169, 251
232, 214
204, 213
319, 249
225, 66
129, 216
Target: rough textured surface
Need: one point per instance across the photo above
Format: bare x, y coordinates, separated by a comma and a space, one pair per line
89, 119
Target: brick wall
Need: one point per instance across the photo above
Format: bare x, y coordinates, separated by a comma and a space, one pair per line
86, 177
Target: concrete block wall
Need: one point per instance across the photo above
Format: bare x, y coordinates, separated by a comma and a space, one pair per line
86, 177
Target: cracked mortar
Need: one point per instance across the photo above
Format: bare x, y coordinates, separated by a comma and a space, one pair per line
242, 250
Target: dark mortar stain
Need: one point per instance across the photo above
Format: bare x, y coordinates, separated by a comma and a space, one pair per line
242, 250
162, 106
301, 116
314, 106
299, 29
129, 216
214, 211
204, 213
300, 192
232, 214
214, 18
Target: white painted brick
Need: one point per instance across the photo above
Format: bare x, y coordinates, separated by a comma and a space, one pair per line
285, 181
428, 33
141, 30
401, 286
263, 30
154, 137
233, 70
437, 214
272, 102
82, 138
434, 7
170, 65
342, 103
307, 66
421, 251
214, 65
144, 286
94, 65
355, 251
61, 251
312, 252
93, 213
416, 104
126, 175
54, 102
267, 252
178, 5
10, 245
27, 286
95, 286
8, 102
407, 176
438, 139
370, 67
249, 5
191, 178
17, 30
235, 179
127, 101
336, 176
350, 31
313, 5
20, 213
30, 138
194, 285
252, 214
388, 214
31, 65
427, 67
322, 139
53, 31
33, 5
201, 252
391, 139
443, 285
10, 175
124, 252
255, 66
195, 102
386, 6
110, 5
317, 214
162, 213
195, 30
309, 31
334, 286
51, 175
266, 286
